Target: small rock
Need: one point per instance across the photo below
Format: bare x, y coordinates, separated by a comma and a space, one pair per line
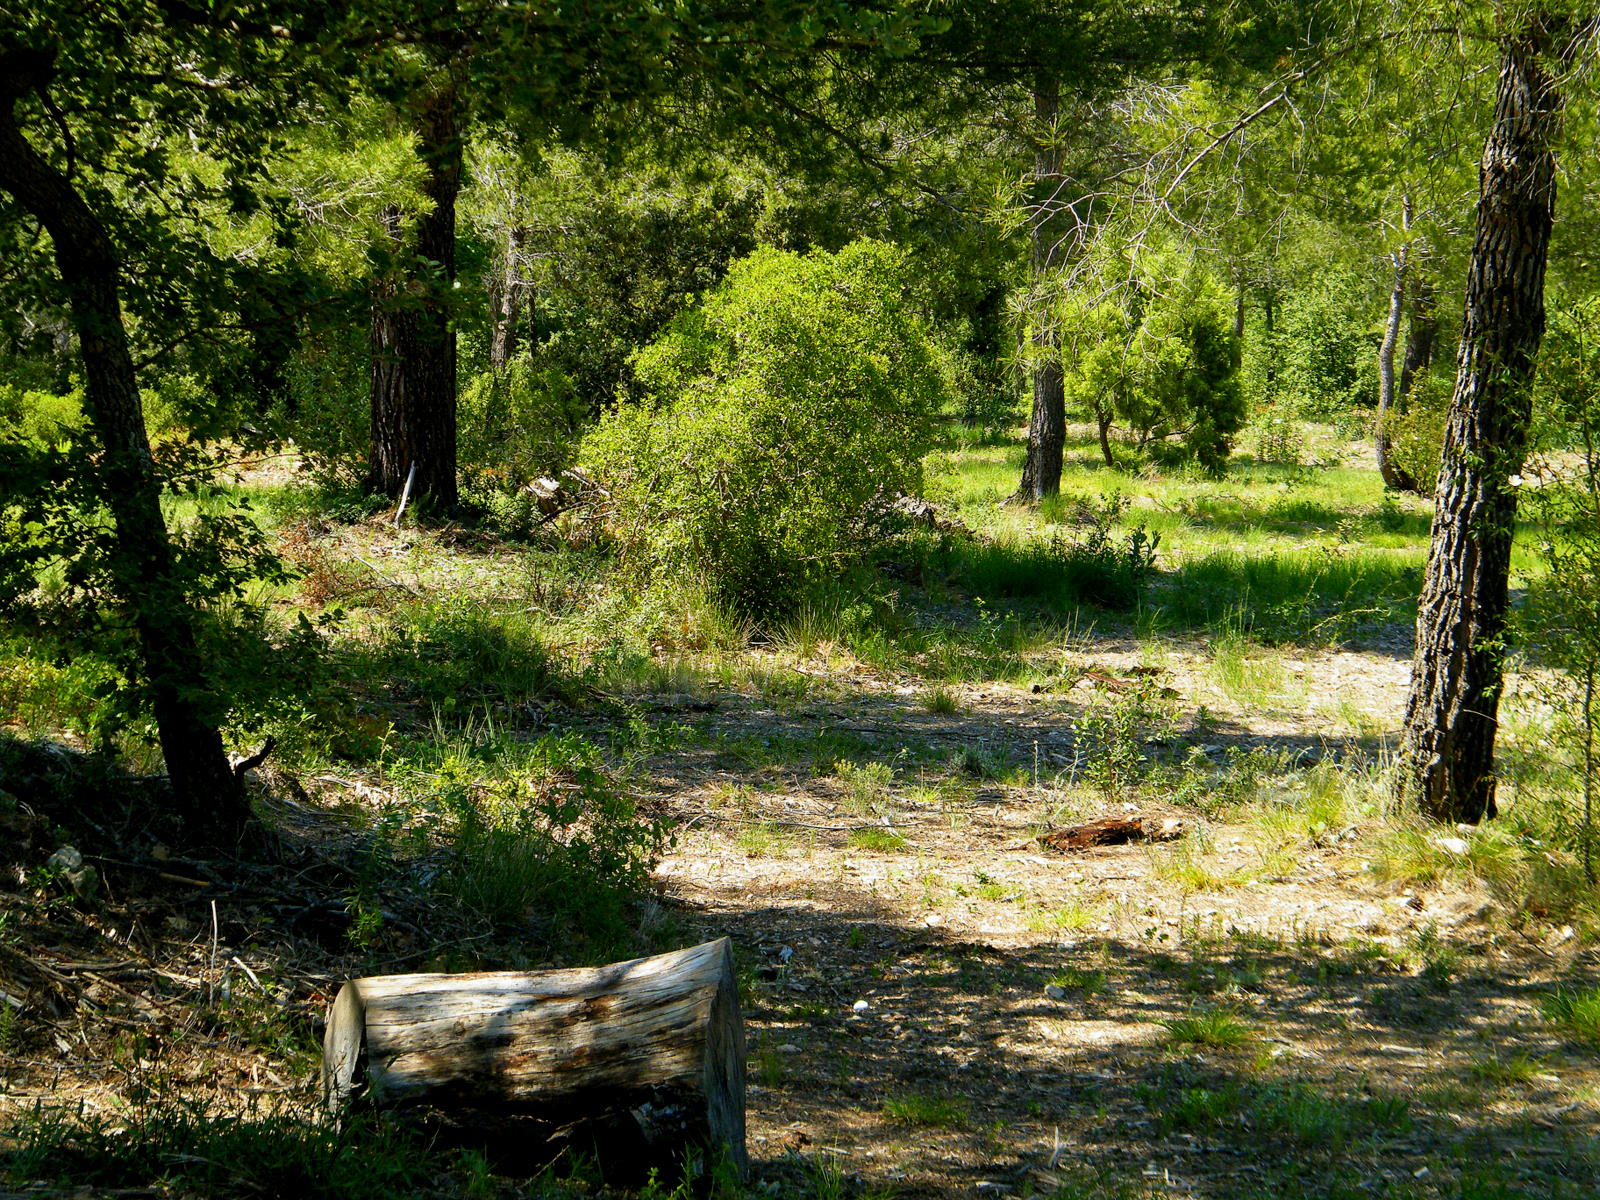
65, 859
788, 1048
860, 1006
1452, 845
933, 920
1055, 991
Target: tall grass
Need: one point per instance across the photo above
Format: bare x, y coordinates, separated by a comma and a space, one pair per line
1293, 595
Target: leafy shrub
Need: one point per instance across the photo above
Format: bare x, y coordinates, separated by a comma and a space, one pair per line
1279, 440
40, 416
1159, 358
1323, 344
516, 424
800, 392
1417, 432
538, 835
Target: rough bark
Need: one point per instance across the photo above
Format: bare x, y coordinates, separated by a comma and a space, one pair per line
1393, 474
143, 567
1446, 761
413, 336
1047, 423
643, 1058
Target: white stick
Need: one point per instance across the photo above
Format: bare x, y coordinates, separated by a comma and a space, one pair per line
405, 493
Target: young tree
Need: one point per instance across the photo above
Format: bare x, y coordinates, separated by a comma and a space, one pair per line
1394, 475
143, 564
1446, 759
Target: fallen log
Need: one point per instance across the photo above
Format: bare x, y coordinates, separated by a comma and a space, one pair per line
1111, 831
639, 1062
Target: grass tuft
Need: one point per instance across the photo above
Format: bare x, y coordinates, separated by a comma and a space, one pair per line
1575, 1010
877, 839
1217, 1028
917, 1108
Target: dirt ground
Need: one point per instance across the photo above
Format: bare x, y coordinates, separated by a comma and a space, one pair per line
902, 1011
937, 1004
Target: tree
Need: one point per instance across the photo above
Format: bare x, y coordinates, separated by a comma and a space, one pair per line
93, 180
1394, 475
1445, 765
1047, 419
787, 413
1148, 343
538, 71
413, 334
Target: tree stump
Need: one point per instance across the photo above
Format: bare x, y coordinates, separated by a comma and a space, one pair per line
639, 1061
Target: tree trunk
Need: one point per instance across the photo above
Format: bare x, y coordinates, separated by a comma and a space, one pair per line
641, 1059
1270, 376
413, 336
1446, 759
1238, 323
1047, 423
1394, 475
1422, 332
506, 301
143, 567
1102, 421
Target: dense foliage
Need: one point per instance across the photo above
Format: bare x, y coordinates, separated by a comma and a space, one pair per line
786, 414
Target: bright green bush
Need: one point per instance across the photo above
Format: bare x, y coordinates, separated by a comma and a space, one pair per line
517, 423
1417, 433
1156, 357
39, 416
783, 413
1324, 346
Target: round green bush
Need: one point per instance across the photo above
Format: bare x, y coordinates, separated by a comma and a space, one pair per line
784, 415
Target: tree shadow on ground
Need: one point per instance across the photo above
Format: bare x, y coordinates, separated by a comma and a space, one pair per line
936, 1066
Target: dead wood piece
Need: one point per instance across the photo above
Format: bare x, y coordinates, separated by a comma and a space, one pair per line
1111, 831
925, 512
554, 495
646, 1056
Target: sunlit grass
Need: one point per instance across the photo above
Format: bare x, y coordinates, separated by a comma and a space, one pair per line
1214, 1028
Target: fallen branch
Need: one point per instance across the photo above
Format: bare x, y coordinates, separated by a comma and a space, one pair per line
1111, 831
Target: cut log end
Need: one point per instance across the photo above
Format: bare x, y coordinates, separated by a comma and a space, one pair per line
643, 1059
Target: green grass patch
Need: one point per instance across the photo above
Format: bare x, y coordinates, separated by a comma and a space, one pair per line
1216, 1028
1294, 1112
1576, 1010
877, 840
184, 1146
1079, 979
1319, 595
1520, 1067
919, 1108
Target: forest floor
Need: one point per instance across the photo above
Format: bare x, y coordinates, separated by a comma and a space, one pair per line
1299, 994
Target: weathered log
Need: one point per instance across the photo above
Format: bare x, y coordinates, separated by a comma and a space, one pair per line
645, 1058
1111, 831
